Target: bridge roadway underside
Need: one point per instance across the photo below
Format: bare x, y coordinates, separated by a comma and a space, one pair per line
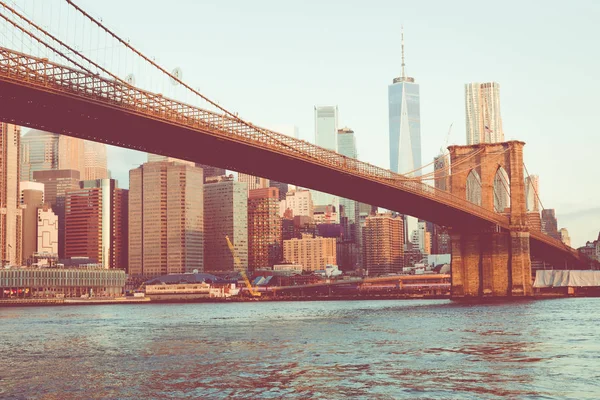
74, 115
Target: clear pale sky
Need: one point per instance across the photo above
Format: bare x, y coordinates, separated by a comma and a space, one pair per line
273, 60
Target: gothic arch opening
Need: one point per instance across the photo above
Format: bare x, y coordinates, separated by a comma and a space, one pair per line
501, 190
474, 188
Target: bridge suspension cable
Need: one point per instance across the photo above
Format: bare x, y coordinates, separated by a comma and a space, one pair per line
34, 37
431, 175
167, 73
534, 189
61, 43
491, 158
41, 71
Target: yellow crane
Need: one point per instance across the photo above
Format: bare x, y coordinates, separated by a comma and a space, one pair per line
239, 267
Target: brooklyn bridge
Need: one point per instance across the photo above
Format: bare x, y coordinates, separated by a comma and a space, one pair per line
52, 85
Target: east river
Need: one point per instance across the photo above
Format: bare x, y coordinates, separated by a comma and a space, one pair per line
329, 350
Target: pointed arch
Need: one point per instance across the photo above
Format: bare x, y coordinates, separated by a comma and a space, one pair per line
501, 190
474, 187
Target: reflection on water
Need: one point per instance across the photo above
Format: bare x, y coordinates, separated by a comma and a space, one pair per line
371, 349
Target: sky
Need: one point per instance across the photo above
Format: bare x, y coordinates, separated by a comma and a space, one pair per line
272, 61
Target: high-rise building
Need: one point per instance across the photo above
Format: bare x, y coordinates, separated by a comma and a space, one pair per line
482, 103
31, 201
264, 229
421, 237
40, 223
299, 201
532, 191
159, 158
347, 255
166, 219
534, 221
11, 223
253, 182
39, 152
313, 253
47, 231
441, 165
440, 241
404, 123
96, 223
56, 184
282, 187
285, 129
549, 223
210, 172
30, 185
44, 151
564, 236
71, 154
225, 214
325, 215
347, 147
95, 161
384, 244
326, 128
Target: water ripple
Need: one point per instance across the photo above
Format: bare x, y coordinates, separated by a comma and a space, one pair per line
330, 350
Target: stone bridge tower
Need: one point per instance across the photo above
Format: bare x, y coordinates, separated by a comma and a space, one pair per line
491, 262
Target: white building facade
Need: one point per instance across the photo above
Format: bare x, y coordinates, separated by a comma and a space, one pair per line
482, 104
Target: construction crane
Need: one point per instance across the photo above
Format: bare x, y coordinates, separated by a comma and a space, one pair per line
445, 146
238, 265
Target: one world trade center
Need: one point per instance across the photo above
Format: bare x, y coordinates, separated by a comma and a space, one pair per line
404, 124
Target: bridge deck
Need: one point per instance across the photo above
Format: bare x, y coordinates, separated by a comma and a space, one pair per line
37, 93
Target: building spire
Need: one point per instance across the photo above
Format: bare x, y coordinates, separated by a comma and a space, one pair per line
402, 33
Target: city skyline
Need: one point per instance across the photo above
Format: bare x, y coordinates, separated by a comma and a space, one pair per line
445, 56
526, 101
280, 264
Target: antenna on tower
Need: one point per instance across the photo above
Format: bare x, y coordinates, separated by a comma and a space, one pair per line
402, 34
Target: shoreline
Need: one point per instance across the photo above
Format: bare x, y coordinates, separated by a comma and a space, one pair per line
147, 300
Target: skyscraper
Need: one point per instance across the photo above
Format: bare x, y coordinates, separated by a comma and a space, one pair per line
482, 103
10, 212
95, 161
441, 165
564, 236
384, 244
313, 253
299, 202
326, 127
404, 123
44, 151
39, 152
47, 231
31, 199
347, 147
281, 186
56, 184
253, 182
166, 219
96, 223
210, 172
421, 237
532, 191
264, 229
225, 214
71, 154
549, 223
160, 158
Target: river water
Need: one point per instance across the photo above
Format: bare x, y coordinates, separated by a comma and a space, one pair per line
330, 350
